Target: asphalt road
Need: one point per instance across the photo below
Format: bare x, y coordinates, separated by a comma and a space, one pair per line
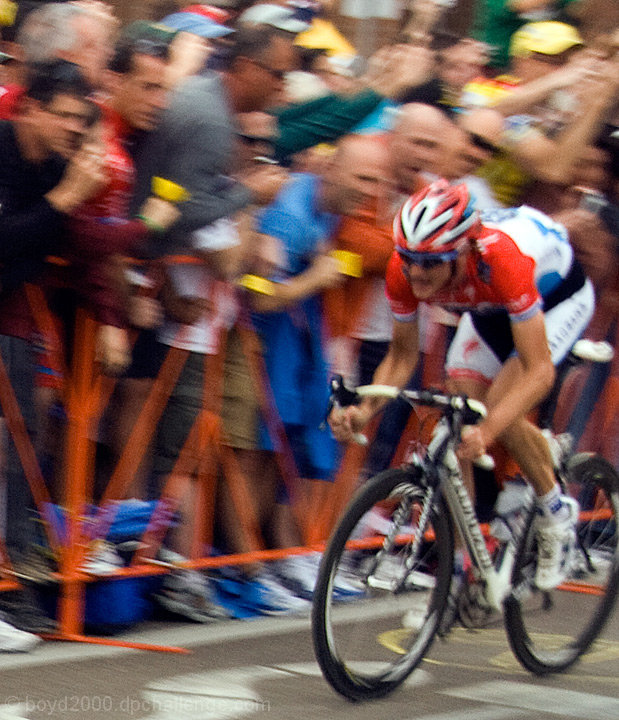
238, 670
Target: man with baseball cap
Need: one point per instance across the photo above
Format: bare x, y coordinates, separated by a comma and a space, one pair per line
540, 47
277, 16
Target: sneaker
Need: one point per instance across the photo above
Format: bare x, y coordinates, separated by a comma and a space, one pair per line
189, 594
14, 640
415, 618
555, 546
36, 566
23, 610
560, 448
102, 559
450, 615
298, 573
273, 598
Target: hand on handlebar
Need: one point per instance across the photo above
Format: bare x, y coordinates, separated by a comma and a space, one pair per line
472, 443
346, 423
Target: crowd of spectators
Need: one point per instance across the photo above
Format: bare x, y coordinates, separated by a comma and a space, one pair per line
219, 175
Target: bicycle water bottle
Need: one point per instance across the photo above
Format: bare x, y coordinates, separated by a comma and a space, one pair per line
510, 509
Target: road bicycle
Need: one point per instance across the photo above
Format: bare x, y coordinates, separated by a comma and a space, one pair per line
395, 543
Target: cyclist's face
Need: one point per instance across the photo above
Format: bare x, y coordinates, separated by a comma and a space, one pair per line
427, 282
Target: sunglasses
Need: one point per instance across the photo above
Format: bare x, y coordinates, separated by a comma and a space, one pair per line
427, 261
484, 144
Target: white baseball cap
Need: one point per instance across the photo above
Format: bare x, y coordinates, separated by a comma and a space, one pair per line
275, 15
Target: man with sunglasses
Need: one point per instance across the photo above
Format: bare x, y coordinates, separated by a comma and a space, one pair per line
524, 301
48, 169
195, 144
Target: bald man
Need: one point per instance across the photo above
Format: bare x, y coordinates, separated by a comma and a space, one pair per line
417, 145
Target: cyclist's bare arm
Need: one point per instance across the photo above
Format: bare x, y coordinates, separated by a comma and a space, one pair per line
521, 385
395, 369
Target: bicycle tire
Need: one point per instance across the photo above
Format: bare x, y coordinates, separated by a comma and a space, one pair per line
577, 617
361, 645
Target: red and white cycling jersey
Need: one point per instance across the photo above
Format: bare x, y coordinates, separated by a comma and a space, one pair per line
522, 255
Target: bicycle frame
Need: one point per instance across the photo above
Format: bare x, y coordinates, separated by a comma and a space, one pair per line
441, 466
442, 458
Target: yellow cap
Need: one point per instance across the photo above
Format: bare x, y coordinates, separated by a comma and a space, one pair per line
548, 38
8, 12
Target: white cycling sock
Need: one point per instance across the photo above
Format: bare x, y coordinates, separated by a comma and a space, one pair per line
550, 505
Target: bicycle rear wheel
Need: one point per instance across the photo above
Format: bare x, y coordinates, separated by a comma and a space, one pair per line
369, 642
579, 608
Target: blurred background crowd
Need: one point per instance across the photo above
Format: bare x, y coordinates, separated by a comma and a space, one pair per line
219, 182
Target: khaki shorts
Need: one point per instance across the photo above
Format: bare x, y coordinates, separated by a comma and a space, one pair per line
240, 408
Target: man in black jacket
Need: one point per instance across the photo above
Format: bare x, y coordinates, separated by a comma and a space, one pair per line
49, 168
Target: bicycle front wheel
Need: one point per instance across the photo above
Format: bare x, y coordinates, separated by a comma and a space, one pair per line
549, 631
392, 552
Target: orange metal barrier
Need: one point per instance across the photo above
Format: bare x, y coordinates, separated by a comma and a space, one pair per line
316, 505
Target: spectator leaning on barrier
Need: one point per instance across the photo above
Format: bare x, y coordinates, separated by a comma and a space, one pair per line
102, 229
195, 144
289, 319
48, 170
197, 147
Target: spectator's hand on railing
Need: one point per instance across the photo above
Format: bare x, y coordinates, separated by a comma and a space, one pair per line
113, 349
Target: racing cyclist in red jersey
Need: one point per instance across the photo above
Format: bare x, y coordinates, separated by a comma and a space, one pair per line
524, 301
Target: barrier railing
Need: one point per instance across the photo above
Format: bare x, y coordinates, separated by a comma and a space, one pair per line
205, 456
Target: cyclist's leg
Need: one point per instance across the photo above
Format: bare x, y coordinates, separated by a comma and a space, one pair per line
522, 439
476, 354
471, 367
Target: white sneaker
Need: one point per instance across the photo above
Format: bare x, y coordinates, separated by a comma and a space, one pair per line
275, 599
14, 640
191, 594
298, 573
555, 546
102, 559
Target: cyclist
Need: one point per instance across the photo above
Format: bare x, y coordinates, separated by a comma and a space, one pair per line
523, 300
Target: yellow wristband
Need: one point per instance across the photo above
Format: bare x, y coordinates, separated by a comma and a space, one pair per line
350, 263
257, 284
168, 190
